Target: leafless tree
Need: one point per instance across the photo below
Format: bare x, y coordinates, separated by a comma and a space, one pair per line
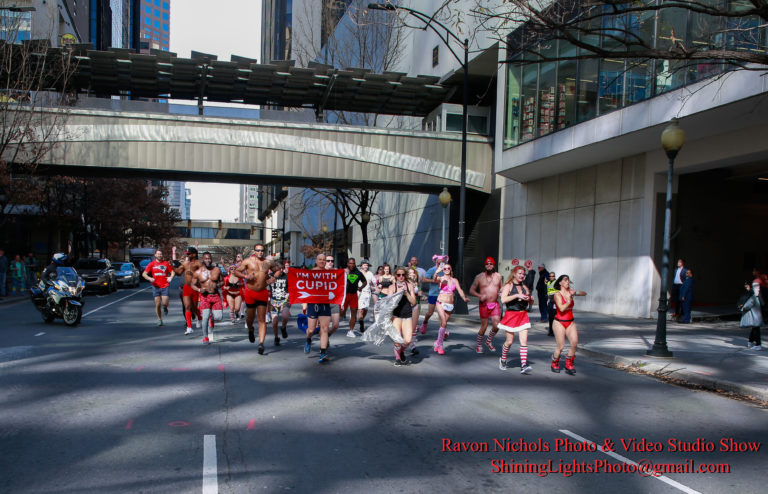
34, 97
682, 33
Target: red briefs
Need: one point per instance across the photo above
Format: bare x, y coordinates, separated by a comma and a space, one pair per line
211, 301
489, 309
253, 298
187, 291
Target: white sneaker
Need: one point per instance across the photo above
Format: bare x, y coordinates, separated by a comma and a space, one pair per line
188, 331
351, 334
526, 369
757, 347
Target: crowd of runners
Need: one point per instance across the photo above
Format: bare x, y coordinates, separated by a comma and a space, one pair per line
256, 289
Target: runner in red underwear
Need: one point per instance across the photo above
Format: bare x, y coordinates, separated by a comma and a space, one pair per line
563, 324
486, 288
189, 296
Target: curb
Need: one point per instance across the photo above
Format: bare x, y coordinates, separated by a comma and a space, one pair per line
709, 383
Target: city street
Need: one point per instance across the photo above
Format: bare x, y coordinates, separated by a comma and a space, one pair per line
120, 405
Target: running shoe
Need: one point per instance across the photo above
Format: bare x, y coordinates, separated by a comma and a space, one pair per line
188, 331
757, 347
526, 369
323, 358
489, 344
479, 349
251, 336
438, 349
261, 348
502, 364
205, 341
401, 363
423, 328
284, 332
351, 334
159, 323
307, 347
277, 341
165, 310
414, 351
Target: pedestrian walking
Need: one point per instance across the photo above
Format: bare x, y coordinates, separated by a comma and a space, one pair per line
564, 325
686, 297
32, 266
541, 291
752, 316
677, 283
18, 275
4, 264
551, 309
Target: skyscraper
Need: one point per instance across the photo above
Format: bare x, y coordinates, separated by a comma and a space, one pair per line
155, 25
249, 203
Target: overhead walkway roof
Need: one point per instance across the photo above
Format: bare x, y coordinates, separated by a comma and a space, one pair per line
123, 72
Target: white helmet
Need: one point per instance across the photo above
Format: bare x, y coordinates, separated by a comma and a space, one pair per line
59, 258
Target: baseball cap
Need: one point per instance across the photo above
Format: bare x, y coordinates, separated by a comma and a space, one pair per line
489, 259
191, 250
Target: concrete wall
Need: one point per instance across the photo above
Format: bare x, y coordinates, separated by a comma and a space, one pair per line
592, 224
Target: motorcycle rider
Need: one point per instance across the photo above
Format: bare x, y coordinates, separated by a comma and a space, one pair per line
57, 261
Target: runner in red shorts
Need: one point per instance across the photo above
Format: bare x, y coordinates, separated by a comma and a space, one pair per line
486, 287
189, 295
355, 281
208, 278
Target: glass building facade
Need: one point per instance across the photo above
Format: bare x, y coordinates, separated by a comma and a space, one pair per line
154, 28
15, 27
545, 97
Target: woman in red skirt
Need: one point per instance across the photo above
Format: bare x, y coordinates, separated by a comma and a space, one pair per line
516, 296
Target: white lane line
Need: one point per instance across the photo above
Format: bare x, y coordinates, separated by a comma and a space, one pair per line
40, 334
664, 479
210, 474
116, 301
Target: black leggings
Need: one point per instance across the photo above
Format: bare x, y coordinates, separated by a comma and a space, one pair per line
754, 335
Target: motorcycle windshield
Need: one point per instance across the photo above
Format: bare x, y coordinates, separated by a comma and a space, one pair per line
67, 275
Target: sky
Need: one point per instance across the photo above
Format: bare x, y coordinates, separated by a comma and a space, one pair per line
221, 28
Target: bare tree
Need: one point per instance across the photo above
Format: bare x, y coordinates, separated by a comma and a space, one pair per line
34, 96
682, 33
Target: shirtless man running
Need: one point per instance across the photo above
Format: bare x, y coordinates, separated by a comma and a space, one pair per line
208, 278
255, 271
486, 287
319, 313
189, 295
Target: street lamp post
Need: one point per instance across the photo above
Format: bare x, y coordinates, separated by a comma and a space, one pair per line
325, 230
430, 22
672, 139
445, 200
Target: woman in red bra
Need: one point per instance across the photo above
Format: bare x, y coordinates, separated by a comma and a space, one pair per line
563, 324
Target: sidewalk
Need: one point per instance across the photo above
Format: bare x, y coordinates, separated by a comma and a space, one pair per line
711, 354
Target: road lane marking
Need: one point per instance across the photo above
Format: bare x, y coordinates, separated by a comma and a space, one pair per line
622, 459
40, 334
114, 302
210, 474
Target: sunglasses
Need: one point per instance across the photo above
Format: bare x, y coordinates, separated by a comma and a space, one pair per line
259, 250
329, 260
400, 275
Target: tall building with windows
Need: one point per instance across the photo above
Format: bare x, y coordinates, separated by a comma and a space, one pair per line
249, 203
179, 198
154, 25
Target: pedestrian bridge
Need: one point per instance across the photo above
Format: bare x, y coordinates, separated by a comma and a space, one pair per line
204, 148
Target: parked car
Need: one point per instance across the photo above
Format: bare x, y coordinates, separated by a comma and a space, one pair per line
97, 273
127, 274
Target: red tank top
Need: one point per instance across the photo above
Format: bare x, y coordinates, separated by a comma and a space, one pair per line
567, 314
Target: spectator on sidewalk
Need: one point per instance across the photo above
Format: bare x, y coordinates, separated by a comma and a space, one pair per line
751, 315
677, 283
18, 274
3, 272
541, 291
686, 297
762, 280
32, 266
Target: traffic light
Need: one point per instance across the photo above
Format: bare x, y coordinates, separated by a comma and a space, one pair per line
275, 234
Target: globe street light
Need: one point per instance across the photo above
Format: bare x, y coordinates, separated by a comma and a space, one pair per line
325, 230
672, 139
445, 200
430, 22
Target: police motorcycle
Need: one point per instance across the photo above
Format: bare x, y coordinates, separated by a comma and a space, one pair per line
60, 293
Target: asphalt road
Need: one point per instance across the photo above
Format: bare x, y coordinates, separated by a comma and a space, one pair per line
119, 405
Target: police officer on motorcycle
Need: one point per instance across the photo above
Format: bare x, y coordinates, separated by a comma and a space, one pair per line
58, 260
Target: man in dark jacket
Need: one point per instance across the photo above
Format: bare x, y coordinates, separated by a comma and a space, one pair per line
686, 297
541, 291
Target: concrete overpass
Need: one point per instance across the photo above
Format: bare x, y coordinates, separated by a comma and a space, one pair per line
201, 148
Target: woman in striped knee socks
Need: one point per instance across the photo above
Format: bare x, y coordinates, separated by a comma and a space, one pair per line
516, 296
402, 315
